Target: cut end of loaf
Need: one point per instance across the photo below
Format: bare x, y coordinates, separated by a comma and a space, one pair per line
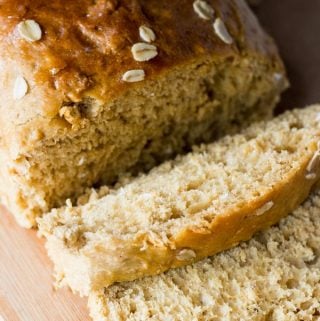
274, 276
94, 143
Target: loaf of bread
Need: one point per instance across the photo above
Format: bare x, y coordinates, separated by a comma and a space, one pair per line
90, 89
274, 277
189, 208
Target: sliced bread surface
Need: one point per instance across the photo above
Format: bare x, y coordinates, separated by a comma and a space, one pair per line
275, 277
189, 208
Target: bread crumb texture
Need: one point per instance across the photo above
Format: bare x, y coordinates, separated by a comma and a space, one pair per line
122, 85
194, 206
274, 277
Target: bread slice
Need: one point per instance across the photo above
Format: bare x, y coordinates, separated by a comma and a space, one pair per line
189, 208
275, 277
73, 118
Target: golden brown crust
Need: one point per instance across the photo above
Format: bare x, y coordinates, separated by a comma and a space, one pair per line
85, 49
228, 230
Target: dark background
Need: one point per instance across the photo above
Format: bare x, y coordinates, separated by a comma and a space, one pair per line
295, 25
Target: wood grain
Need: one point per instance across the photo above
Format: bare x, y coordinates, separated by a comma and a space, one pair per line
26, 292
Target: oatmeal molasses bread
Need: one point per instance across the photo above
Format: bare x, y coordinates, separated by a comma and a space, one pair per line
90, 89
186, 209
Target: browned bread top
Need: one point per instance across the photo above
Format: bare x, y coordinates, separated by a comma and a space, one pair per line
83, 49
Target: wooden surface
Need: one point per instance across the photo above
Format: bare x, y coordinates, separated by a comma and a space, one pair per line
26, 292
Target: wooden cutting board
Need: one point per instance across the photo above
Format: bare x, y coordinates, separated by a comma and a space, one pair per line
26, 292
